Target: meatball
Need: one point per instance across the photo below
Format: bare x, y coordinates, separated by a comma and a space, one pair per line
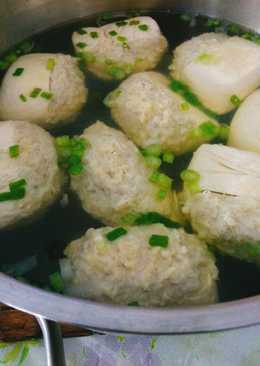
245, 126
28, 156
115, 181
219, 69
45, 89
150, 113
116, 50
130, 270
226, 211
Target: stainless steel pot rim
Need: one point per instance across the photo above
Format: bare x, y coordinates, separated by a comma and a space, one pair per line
116, 318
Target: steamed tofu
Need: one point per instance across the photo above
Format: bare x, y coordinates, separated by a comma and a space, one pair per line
217, 67
225, 211
245, 126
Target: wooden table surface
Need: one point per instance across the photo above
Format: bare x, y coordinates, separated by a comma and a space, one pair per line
16, 326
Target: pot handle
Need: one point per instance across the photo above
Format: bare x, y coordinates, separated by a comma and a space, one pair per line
53, 342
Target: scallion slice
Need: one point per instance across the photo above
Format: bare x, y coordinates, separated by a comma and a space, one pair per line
159, 241
35, 92
116, 233
150, 218
56, 282
46, 95
14, 151
235, 100
143, 27
18, 71
51, 64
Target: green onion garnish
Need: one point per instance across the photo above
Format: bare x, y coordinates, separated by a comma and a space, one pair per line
185, 106
94, 34
150, 218
152, 150
235, 100
191, 180
134, 22
183, 90
35, 92
168, 157
153, 162
223, 132
46, 95
159, 241
207, 131
116, 233
81, 44
121, 23
143, 27
113, 33
213, 23
121, 39
18, 71
81, 31
56, 282
233, 29
16, 191
23, 98
70, 153
116, 72
51, 64
14, 151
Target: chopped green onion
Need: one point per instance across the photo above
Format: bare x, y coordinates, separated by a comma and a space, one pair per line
190, 175
76, 169
35, 92
121, 23
94, 34
18, 71
206, 131
17, 191
81, 45
134, 22
150, 218
233, 29
143, 27
51, 64
14, 151
235, 100
152, 150
159, 241
56, 282
168, 157
46, 95
191, 179
223, 132
130, 218
122, 39
213, 23
185, 106
81, 31
164, 181
183, 90
23, 98
116, 233
154, 177
113, 33
116, 72
70, 153
88, 57
206, 58
153, 162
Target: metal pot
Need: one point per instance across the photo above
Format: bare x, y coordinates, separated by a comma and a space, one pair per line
23, 18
